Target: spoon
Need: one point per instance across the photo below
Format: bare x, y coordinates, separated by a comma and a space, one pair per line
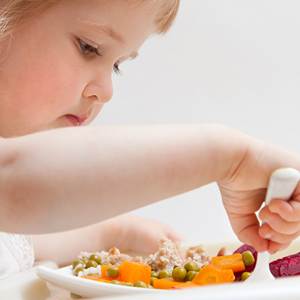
281, 185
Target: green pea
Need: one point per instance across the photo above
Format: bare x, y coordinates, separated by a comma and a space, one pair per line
164, 274
140, 284
112, 272
96, 258
127, 284
85, 260
152, 280
245, 276
106, 263
154, 274
149, 286
78, 270
179, 274
191, 266
76, 263
116, 282
91, 263
191, 275
248, 258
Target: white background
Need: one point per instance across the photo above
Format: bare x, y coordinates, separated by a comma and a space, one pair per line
234, 62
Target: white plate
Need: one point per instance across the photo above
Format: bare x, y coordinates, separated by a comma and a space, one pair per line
65, 279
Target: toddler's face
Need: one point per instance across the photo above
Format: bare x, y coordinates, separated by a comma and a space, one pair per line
58, 69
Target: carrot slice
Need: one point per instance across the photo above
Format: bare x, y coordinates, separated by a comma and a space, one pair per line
186, 285
135, 271
96, 278
213, 275
103, 272
165, 283
234, 262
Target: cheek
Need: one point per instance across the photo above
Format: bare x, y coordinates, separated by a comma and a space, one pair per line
44, 86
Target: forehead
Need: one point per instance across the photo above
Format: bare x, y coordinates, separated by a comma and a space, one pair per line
118, 19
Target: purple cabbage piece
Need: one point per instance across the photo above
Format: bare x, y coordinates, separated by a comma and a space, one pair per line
243, 248
286, 266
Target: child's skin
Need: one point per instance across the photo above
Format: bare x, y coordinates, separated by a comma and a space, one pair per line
68, 178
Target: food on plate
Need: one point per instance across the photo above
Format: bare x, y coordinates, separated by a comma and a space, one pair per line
166, 270
213, 275
287, 266
234, 262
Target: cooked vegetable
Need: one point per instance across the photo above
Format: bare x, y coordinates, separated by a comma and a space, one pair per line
91, 263
179, 274
213, 275
117, 282
152, 280
105, 263
96, 258
248, 258
191, 266
242, 249
105, 276
154, 274
186, 285
287, 266
127, 283
191, 275
135, 271
77, 262
164, 274
140, 284
165, 283
78, 270
96, 278
112, 272
245, 276
233, 262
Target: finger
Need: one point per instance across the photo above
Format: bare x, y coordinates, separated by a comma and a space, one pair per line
275, 247
175, 236
279, 225
288, 210
246, 228
266, 232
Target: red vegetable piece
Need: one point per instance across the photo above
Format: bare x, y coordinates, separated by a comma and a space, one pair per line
243, 248
287, 266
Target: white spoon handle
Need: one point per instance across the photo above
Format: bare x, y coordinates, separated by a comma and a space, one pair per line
282, 184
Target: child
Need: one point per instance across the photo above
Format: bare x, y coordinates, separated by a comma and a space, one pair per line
56, 72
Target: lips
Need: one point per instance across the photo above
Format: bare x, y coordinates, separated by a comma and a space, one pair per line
75, 120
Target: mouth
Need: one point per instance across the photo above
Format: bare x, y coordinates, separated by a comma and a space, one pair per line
75, 120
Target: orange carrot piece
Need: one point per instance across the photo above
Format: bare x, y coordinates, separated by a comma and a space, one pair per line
96, 278
165, 283
135, 271
103, 272
234, 262
186, 285
213, 275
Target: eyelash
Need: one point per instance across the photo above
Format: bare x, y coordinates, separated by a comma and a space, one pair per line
87, 49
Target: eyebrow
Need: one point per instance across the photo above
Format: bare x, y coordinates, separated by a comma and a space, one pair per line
102, 28
107, 30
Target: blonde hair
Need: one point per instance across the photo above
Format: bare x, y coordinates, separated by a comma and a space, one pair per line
17, 13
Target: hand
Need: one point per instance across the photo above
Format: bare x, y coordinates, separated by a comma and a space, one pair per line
244, 190
138, 235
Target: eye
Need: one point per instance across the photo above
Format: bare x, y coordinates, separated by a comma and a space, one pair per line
88, 49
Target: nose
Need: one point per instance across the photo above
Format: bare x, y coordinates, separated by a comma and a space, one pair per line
99, 89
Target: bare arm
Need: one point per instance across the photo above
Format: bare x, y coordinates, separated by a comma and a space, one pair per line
69, 178
126, 232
